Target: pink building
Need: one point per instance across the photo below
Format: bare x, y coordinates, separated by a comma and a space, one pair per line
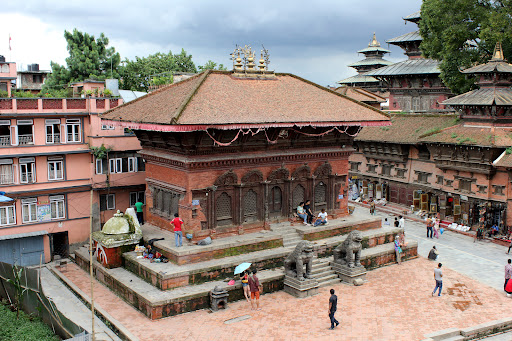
47, 166
7, 75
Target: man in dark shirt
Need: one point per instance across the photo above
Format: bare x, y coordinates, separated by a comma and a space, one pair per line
255, 287
333, 304
307, 210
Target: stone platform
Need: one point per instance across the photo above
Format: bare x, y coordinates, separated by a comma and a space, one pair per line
339, 226
300, 289
350, 275
167, 276
156, 304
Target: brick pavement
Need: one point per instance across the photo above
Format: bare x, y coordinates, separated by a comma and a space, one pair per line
394, 305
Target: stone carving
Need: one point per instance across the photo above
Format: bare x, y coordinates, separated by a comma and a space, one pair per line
324, 170
294, 263
349, 252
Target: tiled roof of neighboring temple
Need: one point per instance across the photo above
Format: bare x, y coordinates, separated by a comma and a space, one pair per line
408, 67
411, 36
407, 128
415, 17
229, 100
467, 134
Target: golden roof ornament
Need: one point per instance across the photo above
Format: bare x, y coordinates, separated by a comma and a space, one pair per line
244, 63
374, 42
498, 53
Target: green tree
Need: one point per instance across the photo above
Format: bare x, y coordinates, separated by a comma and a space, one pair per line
88, 58
138, 74
462, 33
210, 65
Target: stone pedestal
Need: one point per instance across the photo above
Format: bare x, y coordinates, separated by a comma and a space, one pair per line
355, 276
218, 299
300, 289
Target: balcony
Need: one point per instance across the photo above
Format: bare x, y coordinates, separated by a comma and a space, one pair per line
25, 139
52, 138
57, 105
5, 140
6, 179
27, 177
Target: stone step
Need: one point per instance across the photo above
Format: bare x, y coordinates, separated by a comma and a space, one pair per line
320, 269
326, 277
333, 281
318, 261
323, 274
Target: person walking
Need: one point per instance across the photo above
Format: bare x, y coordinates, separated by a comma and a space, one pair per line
401, 222
372, 207
509, 247
508, 273
398, 250
244, 277
140, 213
438, 276
396, 223
256, 288
333, 305
430, 228
178, 233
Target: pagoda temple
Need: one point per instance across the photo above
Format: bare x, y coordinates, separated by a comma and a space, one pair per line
232, 151
414, 84
374, 59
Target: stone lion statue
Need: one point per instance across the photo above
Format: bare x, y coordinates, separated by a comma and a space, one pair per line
302, 255
349, 252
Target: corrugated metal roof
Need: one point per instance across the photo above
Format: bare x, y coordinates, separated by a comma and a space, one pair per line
484, 96
358, 79
374, 48
502, 67
408, 67
24, 235
371, 61
411, 36
413, 17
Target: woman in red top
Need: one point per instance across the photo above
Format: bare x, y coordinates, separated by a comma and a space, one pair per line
178, 234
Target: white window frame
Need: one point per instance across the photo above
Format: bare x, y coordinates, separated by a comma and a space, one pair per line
99, 166
51, 123
136, 194
10, 220
107, 127
71, 125
55, 162
132, 164
107, 196
28, 163
31, 205
58, 200
9, 162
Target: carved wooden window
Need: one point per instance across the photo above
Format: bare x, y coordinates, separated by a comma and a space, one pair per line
439, 180
298, 195
400, 172
422, 177
465, 185
223, 211
386, 170
371, 168
276, 198
498, 190
448, 183
165, 202
250, 206
320, 195
482, 189
354, 166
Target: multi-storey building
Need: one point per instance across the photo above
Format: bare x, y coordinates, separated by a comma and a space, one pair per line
47, 166
32, 79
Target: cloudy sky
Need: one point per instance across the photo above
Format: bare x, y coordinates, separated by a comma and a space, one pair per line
312, 39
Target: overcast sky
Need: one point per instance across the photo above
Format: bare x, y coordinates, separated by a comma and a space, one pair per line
312, 39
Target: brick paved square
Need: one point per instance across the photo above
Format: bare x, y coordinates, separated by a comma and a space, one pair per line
396, 304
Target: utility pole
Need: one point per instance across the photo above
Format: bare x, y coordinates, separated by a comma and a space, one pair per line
91, 269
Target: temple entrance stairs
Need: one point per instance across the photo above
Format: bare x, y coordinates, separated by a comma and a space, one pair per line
323, 272
290, 236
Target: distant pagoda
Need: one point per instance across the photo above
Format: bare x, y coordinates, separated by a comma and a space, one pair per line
414, 84
374, 54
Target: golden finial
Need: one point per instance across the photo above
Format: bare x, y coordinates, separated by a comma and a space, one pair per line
374, 42
498, 53
262, 62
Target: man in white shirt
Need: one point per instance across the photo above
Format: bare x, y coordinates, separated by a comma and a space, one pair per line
401, 223
438, 276
322, 218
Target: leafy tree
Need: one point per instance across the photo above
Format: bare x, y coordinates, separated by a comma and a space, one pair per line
138, 74
462, 33
210, 65
88, 58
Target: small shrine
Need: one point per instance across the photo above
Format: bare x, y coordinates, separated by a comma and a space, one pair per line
119, 234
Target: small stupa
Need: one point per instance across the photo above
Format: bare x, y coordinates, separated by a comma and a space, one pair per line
119, 234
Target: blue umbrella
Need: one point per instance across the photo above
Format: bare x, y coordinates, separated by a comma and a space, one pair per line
242, 267
3, 198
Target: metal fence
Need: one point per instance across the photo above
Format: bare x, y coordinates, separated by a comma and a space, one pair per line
34, 301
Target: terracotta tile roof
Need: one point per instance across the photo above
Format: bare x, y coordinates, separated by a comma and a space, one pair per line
407, 129
472, 135
218, 98
360, 94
